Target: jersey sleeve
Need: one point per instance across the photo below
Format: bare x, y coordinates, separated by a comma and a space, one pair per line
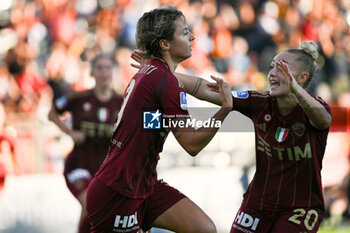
173, 97
328, 109
324, 104
242, 102
65, 103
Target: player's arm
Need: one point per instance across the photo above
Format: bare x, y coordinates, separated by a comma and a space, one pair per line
194, 140
317, 113
197, 87
77, 136
193, 85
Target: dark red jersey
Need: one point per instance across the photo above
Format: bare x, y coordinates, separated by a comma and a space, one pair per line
95, 119
130, 167
289, 153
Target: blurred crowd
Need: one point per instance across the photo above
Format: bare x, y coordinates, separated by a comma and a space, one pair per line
46, 45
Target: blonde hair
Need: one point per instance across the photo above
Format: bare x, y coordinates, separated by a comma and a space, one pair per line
307, 57
311, 48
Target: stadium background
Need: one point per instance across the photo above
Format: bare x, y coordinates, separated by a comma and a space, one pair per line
44, 49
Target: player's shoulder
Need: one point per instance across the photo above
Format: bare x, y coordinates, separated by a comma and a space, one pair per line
156, 74
116, 95
322, 102
151, 69
80, 94
318, 98
71, 97
250, 94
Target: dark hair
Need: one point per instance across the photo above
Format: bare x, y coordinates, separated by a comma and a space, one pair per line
97, 58
154, 26
307, 57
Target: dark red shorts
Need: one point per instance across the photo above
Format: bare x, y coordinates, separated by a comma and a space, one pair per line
77, 180
306, 220
111, 212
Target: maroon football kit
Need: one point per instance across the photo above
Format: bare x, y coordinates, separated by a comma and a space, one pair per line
125, 194
95, 119
285, 194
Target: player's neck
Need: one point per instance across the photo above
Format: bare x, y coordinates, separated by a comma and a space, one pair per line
172, 65
103, 94
286, 104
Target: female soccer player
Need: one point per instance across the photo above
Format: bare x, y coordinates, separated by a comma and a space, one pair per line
93, 114
125, 194
291, 128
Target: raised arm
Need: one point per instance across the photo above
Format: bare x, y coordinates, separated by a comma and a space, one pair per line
198, 88
194, 140
193, 85
318, 115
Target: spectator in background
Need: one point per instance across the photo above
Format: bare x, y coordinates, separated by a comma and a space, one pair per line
93, 112
22, 66
7, 155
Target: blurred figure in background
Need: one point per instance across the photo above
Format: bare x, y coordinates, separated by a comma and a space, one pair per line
7, 155
93, 113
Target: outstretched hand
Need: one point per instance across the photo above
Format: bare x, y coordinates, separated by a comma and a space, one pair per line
221, 87
140, 57
288, 77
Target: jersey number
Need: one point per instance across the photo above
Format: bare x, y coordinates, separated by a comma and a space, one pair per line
300, 213
126, 98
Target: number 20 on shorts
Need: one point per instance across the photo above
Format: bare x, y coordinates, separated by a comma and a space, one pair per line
299, 215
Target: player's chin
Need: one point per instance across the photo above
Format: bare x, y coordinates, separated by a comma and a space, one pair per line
274, 93
186, 57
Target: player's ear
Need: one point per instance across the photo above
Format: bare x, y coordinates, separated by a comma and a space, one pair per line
164, 44
303, 77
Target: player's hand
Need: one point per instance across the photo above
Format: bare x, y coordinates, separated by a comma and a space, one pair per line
288, 78
77, 136
138, 56
224, 90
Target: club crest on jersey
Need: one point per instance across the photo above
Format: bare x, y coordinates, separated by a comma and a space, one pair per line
281, 134
102, 114
183, 100
240, 94
298, 129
